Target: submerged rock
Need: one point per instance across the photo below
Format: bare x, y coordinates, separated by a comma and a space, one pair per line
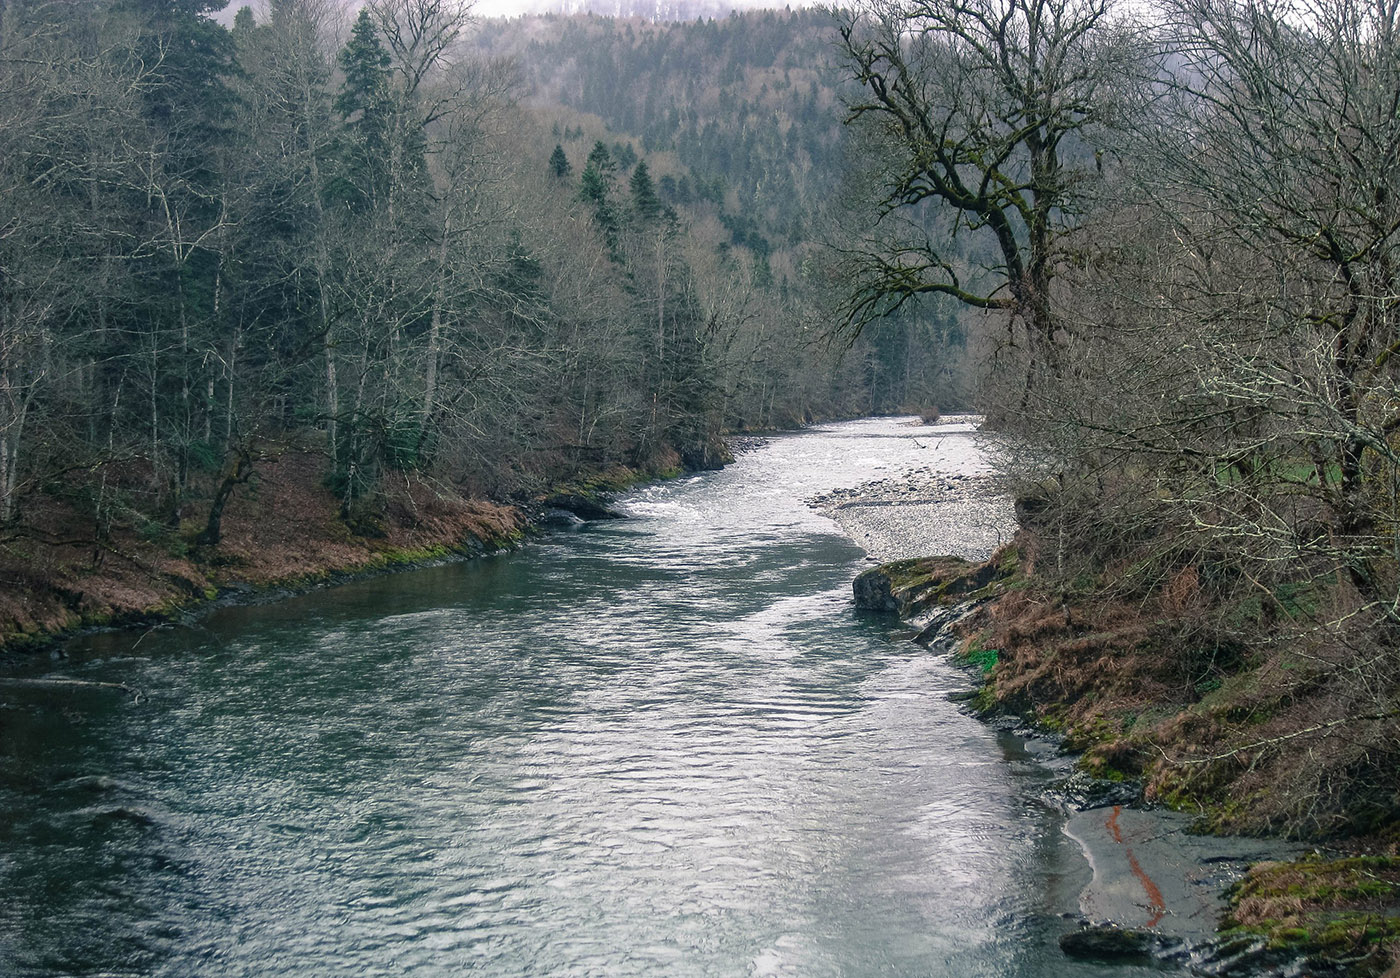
1251, 958
1082, 792
1108, 942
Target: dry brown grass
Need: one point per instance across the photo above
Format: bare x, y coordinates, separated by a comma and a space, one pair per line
1260, 722
281, 527
1340, 908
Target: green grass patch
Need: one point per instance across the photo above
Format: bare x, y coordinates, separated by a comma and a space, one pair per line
1282, 469
1300, 601
1332, 907
984, 659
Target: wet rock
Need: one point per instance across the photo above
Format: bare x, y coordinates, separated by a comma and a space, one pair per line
938, 624
123, 815
560, 519
581, 506
874, 591
1106, 942
1253, 958
1083, 792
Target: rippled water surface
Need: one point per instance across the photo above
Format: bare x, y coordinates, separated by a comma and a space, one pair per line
666, 746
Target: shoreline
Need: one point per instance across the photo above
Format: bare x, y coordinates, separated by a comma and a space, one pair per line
1158, 891
242, 594
282, 538
55, 598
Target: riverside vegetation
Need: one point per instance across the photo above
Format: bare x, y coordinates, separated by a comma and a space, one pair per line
421, 265
305, 293
1187, 217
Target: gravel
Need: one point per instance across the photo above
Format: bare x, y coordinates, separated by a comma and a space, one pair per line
923, 513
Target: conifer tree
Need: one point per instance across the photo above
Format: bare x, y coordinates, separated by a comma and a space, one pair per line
645, 204
559, 163
364, 106
366, 65
596, 187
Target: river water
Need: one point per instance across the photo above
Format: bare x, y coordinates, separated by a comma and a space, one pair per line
666, 746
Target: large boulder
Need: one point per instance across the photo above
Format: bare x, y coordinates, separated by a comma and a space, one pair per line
583, 507
911, 586
874, 591
1105, 942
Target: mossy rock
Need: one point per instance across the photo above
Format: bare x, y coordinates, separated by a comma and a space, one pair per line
910, 586
1331, 909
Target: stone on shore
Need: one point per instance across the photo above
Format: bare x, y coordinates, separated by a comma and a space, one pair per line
911, 586
1105, 942
581, 506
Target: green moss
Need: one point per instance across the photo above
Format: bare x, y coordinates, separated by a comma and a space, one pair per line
1331, 907
984, 659
909, 574
1091, 732
1100, 767
1053, 718
1008, 561
986, 700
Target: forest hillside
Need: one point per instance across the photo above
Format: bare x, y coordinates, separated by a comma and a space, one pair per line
389, 262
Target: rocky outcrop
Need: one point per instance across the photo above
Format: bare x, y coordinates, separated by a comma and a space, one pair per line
910, 587
1105, 942
584, 507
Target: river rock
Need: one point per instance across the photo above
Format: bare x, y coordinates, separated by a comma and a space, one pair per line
1082, 792
1253, 958
1106, 942
915, 585
560, 519
581, 506
873, 590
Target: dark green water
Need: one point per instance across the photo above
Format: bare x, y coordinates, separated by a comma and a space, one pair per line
666, 746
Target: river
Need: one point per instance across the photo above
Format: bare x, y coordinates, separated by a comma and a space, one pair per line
665, 746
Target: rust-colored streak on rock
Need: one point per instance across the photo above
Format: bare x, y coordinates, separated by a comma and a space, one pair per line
1155, 903
1112, 824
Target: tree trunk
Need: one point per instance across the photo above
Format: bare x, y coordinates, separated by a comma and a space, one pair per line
238, 470
435, 332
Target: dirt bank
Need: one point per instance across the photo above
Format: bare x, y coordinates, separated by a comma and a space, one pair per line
59, 572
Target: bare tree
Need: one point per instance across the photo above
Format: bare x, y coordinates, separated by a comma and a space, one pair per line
990, 116
1281, 150
1232, 414
420, 34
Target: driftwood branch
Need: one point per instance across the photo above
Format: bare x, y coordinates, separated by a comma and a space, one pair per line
135, 693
